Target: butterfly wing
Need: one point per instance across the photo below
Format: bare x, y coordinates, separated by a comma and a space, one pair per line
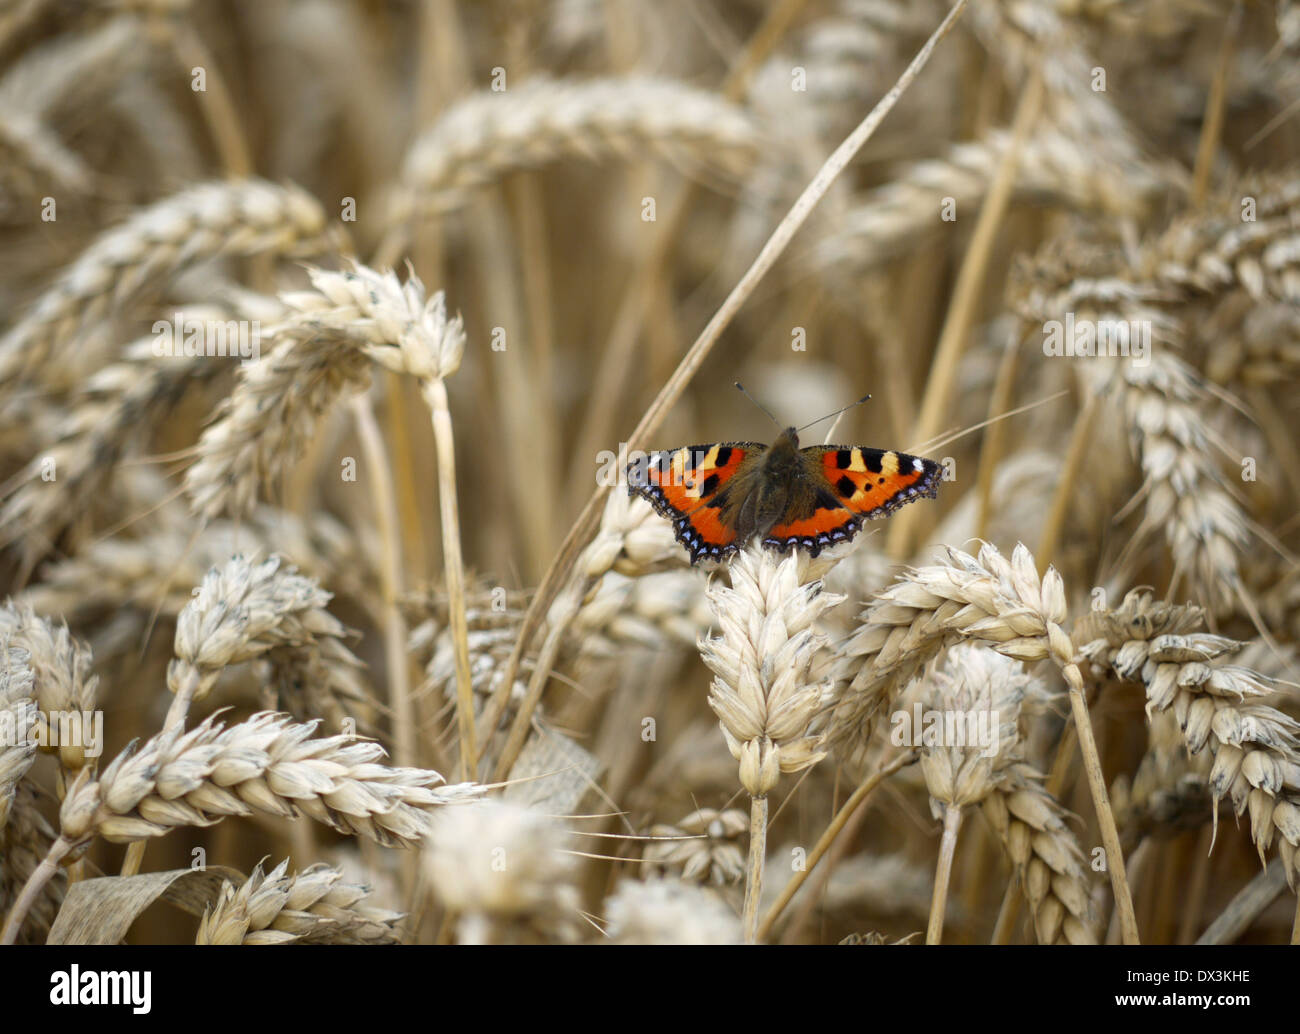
691, 487
853, 485
874, 482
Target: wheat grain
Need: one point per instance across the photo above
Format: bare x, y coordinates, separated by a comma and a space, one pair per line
319, 353
654, 609
1184, 492
1049, 863
244, 609
155, 571
767, 688
985, 598
701, 847
1030, 823
270, 417
121, 402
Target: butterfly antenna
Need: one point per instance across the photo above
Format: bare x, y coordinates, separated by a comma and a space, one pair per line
758, 404
836, 413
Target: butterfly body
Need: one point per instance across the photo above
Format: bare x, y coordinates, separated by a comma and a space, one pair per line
720, 497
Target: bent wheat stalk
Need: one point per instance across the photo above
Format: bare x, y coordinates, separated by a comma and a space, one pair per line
777, 243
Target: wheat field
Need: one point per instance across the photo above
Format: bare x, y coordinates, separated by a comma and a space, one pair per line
330, 328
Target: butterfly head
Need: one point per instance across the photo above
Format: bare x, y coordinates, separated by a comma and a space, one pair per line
782, 458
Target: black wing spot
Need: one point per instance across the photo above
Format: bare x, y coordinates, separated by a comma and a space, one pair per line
844, 459
710, 485
724, 455
872, 461
846, 487
826, 501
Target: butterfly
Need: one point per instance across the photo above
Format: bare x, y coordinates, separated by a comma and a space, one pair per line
720, 497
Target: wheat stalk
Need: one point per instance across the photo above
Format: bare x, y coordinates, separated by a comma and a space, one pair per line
33, 160
960, 774
412, 335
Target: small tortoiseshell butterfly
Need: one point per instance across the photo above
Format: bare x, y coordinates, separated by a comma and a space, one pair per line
720, 497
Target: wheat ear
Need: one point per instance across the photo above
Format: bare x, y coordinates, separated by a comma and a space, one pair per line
1256, 749
1030, 823
314, 906
765, 691
130, 261
483, 137
503, 874
17, 723
987, 599
65, 683
268, 764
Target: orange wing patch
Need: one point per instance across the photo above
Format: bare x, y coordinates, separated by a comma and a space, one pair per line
704, 535
680, 480
688, 487
876, 482
826, 527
